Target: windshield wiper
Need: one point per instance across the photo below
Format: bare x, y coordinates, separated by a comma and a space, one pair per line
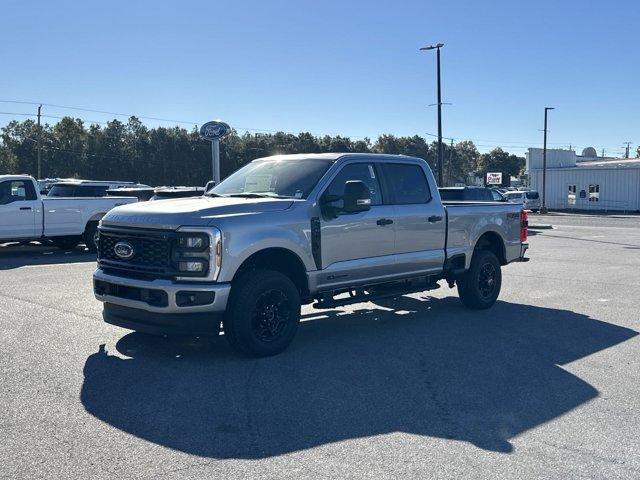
211, 194
255, 195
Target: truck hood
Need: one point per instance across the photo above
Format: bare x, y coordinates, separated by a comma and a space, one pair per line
199, 211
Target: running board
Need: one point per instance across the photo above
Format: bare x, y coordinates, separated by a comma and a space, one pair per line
329, 301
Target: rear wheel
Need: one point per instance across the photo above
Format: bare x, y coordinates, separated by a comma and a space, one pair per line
90, 236
263, 313
66, 243
480, 286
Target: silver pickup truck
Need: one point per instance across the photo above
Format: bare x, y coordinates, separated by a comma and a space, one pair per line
288, 230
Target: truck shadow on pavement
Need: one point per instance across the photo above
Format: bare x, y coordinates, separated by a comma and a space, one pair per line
417, 365
15, 255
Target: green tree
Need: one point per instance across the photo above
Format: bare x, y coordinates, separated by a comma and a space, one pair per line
500, 161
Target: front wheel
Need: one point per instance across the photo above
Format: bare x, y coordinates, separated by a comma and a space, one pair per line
65, 243
263, 314
90, 237
479, 287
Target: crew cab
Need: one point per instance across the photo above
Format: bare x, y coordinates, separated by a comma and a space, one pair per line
25, 215
286, 230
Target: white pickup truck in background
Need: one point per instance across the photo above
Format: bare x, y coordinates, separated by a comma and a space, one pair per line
25, 215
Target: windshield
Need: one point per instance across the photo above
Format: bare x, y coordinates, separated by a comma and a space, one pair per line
274, 178
513, 196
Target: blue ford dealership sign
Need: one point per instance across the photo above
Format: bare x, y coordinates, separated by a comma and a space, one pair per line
214, 130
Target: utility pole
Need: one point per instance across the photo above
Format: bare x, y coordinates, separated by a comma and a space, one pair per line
626, 152
450, 164
39, 146
437, 47
603, 153
543, 209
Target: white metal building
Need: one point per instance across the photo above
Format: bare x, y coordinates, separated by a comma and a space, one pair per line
586, 182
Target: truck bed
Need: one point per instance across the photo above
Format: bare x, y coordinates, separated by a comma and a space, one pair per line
468, 220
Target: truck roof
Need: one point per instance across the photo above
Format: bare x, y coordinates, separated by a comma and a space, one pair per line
333, 157
15, 177
94, 182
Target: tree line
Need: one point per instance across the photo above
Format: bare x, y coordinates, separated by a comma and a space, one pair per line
177, 156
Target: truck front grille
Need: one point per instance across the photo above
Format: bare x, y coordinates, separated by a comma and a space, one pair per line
151, 250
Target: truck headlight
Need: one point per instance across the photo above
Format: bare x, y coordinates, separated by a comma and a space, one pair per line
197, 253
193, 241
192, 267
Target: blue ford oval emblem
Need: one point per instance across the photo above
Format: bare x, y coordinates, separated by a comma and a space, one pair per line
214, 130
123, 250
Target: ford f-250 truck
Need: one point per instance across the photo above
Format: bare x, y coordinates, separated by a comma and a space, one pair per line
25, 215
288, 230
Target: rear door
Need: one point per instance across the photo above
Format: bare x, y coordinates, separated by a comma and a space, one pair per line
356, 247
419, 219
19, 210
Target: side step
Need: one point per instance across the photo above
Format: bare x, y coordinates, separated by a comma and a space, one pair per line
364, 295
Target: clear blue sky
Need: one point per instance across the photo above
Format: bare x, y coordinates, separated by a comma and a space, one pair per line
336, 67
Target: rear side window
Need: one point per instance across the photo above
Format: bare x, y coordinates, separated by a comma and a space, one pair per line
407, 184
364, 172
533, 195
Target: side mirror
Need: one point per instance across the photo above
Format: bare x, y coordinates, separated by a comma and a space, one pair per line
357, 197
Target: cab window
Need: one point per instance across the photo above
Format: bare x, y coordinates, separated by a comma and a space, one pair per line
407, 184
16, 191
365, 172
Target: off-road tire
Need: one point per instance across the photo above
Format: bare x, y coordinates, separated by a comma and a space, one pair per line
263, 313
89, 236
479, 287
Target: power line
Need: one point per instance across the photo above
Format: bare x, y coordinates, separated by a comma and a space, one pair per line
85, 109
19, 113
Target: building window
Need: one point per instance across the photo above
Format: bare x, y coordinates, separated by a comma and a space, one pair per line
594, 193
571, 195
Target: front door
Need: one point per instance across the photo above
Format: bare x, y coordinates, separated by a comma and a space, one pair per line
18, 210
359, 247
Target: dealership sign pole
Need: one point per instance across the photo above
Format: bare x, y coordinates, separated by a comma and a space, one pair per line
214, 131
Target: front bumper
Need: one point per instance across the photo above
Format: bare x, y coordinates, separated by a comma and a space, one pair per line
199, 324
159, 295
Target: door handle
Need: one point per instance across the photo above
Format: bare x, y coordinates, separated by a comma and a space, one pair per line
384, 221
434, 218
25, 208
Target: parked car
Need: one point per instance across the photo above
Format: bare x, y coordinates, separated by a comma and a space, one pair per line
88, 188
26, 215
530, 199
475, 194
288, 230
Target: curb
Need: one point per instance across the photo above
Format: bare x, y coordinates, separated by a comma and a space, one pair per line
541, 227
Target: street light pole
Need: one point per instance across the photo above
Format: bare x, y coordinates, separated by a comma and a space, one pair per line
543, 209
39, 144
437, 47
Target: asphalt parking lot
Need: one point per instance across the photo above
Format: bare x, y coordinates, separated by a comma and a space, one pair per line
544, 385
